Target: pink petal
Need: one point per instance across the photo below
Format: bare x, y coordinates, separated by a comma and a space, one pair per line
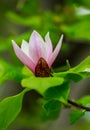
29, 51
37, 46
55, 53
23, 57
49, 47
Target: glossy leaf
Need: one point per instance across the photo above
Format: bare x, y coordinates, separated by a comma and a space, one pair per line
41, 84
59, 92
85, 100
9, 109
77, 73
76, 114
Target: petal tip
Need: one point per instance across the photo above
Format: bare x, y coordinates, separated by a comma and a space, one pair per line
23, 41
34, 32
47, 35
62, 36
13, 42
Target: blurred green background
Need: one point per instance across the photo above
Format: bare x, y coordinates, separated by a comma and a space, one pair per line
18, 18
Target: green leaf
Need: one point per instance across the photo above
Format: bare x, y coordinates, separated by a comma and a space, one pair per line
29, 21
41, 84
27, 72
52, 105
9, 72
2, 67
84, 66
52, 108
85, 101
52, 115
55, 96
75, 115
59, 92
77, 73
9, 109
54, 89
81, 33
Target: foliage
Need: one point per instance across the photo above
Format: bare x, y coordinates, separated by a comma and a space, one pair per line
9, 109
53, 92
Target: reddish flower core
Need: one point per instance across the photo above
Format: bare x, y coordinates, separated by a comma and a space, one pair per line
42, 69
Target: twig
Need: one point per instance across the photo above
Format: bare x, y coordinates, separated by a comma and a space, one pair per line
78, 105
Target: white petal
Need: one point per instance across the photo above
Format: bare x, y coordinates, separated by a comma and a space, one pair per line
49, 47
55, 53
25, 47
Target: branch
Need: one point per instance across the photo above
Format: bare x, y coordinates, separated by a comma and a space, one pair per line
78, 105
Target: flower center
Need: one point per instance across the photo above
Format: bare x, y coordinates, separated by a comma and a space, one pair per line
42, 69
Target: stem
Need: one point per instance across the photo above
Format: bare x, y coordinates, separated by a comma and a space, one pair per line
68, 64
78, 105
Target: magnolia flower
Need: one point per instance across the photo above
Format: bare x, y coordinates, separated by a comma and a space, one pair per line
38, 55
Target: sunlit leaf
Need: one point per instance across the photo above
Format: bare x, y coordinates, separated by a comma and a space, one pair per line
53, 89
77, 73
27, 72
76, 114
85, 101
41, 84
79, 30
9, 109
